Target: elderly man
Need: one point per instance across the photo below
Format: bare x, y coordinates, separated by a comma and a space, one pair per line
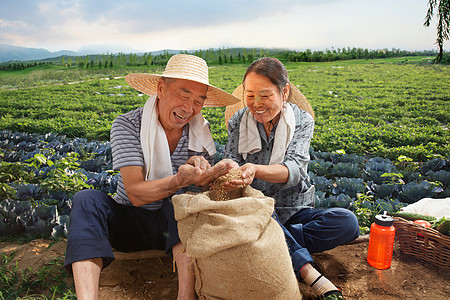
161, 149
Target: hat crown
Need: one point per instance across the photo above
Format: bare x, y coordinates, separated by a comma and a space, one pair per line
182, 66
188, 67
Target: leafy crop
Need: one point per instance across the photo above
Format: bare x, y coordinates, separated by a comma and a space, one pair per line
41, 176
385, 108
381, 185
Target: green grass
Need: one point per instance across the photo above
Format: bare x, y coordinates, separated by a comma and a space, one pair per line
49, 282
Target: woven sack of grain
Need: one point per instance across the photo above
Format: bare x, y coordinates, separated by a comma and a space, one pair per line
238, 249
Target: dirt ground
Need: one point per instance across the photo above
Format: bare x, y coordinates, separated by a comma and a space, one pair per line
346, 266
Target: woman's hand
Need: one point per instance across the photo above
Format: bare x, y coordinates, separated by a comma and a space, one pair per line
248, 174
198, 171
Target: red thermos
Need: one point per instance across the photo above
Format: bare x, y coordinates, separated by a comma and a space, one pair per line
381, 242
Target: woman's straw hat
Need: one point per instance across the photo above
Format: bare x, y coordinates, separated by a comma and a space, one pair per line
295, 96
182, 66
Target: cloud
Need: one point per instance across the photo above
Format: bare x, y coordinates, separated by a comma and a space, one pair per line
148, 16
193, 24
32, 21
142, 16
334, 24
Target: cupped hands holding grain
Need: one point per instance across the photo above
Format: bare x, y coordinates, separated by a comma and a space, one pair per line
218, 193
246, 178
197, 171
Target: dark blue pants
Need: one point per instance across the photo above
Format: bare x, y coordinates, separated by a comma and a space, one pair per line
315, 230
98, 224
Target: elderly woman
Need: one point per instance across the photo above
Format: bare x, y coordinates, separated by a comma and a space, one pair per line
269, 139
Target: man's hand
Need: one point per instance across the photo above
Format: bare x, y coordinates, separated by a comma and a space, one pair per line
198, 171
199, 161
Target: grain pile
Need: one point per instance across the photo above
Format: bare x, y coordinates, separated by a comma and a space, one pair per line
217, 191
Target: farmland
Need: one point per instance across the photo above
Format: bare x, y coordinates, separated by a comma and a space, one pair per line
386, 108
381, 138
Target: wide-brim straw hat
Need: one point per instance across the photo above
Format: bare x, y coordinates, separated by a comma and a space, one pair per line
295, 96
183, 66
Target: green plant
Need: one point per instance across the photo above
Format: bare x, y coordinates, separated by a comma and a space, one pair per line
49, 280
66, 175
405, 163
40, 159
363, 209
14, 172
403, 158
340, 151
6, 192
393, 178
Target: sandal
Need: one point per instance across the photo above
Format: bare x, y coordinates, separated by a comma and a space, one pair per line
332, 295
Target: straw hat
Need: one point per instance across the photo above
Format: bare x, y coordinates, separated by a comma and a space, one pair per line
182, 66
295, 96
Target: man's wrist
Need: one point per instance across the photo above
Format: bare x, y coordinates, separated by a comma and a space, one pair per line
180, 182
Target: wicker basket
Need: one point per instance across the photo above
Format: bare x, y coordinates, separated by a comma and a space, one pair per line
424, 243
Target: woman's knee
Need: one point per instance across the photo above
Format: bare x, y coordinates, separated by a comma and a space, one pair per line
349, 223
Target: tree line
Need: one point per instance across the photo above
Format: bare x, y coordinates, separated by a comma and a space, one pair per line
221, 56
352, 53
17, 66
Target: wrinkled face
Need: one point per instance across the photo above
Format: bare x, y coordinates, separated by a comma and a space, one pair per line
263, 98
179, 101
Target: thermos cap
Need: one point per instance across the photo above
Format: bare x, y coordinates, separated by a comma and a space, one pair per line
384, 220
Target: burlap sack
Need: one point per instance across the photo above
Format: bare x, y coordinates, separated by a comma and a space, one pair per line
238, 249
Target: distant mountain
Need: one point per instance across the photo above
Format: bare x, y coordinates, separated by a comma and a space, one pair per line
10, 53
15, 53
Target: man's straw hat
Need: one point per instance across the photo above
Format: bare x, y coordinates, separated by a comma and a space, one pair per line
182, 66
295, 96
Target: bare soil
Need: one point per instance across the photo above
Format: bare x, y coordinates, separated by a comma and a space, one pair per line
346, 266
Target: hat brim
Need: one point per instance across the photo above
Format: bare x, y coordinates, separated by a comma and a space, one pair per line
148, 83
295, 97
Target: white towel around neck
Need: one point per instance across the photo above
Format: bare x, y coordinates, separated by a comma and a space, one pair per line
250, 141
155, 146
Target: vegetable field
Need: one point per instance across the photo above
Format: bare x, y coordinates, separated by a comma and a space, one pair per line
384, 108
381, 138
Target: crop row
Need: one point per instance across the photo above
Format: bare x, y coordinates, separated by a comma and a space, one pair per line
39, 175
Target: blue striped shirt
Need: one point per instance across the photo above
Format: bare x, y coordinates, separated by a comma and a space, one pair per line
127, 151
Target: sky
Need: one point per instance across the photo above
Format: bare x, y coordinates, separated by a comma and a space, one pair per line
146, 25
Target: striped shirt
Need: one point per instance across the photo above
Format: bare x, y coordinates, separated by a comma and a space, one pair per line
127, 151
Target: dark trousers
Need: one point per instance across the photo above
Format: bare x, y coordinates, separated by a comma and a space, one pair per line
98, 224
315, 230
